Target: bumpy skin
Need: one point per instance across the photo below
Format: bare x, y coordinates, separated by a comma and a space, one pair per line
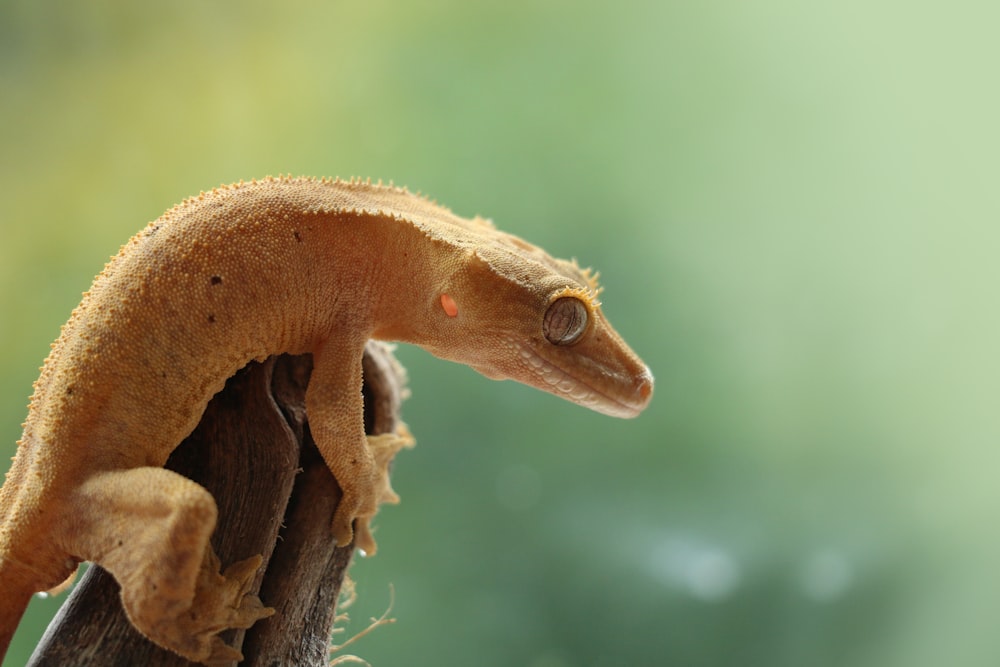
205, 289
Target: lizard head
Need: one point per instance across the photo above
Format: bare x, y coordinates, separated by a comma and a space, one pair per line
511, 311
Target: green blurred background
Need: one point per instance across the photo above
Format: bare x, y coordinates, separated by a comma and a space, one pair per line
794, 207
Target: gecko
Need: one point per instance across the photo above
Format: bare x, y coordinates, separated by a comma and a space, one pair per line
246, 271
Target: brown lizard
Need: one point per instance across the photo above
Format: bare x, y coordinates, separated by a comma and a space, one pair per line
202, 291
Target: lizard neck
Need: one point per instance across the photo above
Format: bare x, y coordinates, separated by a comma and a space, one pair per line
413, 269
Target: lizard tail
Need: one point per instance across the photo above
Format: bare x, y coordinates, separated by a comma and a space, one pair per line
17, 593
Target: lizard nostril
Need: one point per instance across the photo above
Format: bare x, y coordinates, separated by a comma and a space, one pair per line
645, 386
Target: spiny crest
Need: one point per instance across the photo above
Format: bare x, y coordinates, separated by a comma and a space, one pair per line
590, 276
353, 183
485, 223
585, 294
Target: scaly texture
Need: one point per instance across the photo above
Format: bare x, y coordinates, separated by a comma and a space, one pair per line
205, 289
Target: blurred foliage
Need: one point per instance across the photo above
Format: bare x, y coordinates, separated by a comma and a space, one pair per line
794, 208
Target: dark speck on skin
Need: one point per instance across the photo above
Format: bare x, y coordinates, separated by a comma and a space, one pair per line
216, 280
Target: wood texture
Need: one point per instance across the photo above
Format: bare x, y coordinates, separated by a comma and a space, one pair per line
253, 451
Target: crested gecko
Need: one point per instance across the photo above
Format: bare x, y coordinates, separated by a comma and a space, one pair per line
202, 291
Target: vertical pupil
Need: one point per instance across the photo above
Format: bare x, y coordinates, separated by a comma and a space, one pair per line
564, 321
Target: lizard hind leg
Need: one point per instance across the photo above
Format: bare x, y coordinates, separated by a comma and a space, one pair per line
150, 528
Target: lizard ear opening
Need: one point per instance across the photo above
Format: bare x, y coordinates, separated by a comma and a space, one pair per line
449, 305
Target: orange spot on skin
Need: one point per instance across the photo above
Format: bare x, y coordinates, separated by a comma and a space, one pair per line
449, 305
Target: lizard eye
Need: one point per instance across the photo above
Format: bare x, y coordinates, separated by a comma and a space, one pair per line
565, 321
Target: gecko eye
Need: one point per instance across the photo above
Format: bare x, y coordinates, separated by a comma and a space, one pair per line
565, 321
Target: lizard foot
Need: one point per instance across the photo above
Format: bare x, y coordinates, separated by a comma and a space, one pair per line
359, 505
384, 448
221, 601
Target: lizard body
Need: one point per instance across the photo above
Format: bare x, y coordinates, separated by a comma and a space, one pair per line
205, 289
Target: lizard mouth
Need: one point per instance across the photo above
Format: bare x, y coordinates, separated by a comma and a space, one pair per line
632, 392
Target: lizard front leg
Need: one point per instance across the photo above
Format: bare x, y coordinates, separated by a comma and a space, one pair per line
150, 528
335, 407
